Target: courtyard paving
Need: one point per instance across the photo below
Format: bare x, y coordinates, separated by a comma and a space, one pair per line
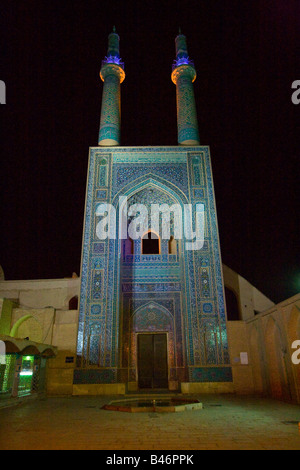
226, 422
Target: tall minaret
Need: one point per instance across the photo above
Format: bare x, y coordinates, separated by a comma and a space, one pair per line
112, 73
183, 75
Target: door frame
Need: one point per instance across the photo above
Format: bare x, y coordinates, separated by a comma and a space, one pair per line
166, 333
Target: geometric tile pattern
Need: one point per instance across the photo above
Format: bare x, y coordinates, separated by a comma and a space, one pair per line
211, 374
126, 293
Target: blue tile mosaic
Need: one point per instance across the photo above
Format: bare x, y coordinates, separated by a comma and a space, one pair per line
126, 293
211, 374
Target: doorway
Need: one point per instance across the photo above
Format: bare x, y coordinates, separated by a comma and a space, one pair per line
152, 360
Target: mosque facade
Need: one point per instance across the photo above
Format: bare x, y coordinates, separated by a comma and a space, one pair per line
152, 311
148, 311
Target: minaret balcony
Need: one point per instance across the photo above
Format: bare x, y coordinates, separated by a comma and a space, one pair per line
108, 68
182, 61
183, 70
112, 60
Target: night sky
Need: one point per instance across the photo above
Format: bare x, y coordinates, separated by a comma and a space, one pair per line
246, 54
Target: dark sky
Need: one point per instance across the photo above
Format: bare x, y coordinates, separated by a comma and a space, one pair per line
246, 54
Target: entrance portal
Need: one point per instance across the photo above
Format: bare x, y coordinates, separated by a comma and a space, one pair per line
152, 360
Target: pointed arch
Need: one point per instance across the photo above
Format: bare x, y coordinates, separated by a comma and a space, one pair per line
151, 180
73, 303
152, 317
151, 243
151, 305
27, 326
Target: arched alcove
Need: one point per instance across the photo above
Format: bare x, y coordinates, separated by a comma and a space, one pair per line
232, 305
138, 275
153, 329
150, 243
30, 351
148, 190
11, 347
73, 303
48, 352
27, 327
152, 317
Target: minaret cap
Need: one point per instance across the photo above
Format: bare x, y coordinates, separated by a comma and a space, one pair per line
113, 56
181, 46
112, 74
113, 44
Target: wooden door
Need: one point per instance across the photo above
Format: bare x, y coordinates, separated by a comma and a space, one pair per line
152, 361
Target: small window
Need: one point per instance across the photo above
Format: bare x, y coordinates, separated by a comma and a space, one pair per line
150, 244
69, 360
73, 303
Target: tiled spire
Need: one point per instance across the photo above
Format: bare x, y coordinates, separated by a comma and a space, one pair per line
112, 73
183, 75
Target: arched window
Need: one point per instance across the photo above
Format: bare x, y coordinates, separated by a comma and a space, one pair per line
73, 303
150, 244
233, 311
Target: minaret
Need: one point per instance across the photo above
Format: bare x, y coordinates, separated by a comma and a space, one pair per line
112, 73
183, 75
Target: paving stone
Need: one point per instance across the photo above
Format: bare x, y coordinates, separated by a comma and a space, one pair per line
79, 423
